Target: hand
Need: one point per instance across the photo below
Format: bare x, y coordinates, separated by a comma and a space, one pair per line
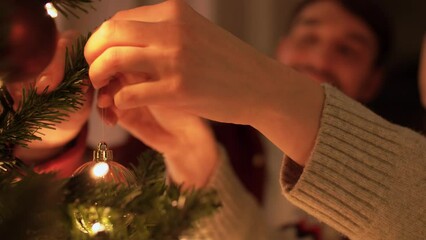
168, 55
186, 141
53, 141
180, 60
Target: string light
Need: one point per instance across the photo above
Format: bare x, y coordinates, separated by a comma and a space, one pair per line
180, 203
98, 227
51, 10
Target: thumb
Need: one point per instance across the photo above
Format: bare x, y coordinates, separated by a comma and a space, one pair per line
143, 94
53, 74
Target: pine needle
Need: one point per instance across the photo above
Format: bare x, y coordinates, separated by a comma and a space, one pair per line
36, 111
66, 7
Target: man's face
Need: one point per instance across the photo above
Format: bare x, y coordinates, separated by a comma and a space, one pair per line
329, 44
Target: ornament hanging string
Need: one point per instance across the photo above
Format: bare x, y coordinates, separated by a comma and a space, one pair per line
103, 124
109, 9
64, 201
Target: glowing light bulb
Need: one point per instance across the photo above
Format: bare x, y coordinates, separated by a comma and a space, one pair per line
180, 203
98, 227
51, 10
100, 169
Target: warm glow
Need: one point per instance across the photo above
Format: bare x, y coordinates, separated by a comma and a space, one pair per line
180, 203
100, 169
98, 227
51, 10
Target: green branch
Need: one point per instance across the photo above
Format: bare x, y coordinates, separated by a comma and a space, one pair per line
44, 110
66, 7
40, 206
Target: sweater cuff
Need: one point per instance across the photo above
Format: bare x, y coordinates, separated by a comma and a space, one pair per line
239, 218
347, 180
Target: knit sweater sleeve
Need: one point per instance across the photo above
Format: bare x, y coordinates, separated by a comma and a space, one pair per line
366, 176
239, 218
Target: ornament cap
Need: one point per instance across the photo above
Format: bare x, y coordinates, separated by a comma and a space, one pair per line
102, 153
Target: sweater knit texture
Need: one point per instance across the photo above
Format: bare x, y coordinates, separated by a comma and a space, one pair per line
366, 178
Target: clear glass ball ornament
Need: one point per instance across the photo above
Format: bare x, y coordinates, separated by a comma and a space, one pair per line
104, 168
94, 219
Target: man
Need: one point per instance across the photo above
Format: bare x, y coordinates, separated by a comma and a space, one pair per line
344, 43
316, 45
347, 53
348, 167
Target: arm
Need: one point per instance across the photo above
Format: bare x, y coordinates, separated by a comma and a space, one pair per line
182, 61
185, 62
240, 217
193, 158
365, 177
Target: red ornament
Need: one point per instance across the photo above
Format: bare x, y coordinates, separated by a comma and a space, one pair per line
27, 41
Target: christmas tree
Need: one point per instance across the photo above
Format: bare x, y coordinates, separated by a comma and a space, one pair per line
41, 206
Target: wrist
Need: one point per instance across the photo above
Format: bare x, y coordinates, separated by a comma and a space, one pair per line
290, 116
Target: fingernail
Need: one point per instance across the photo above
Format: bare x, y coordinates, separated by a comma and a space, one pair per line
42, 83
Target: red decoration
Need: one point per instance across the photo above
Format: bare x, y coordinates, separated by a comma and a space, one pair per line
27, 40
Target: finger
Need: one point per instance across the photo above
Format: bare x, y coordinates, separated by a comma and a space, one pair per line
143, 125
109, 115
142, 94
118, 60
15, 90
125, 33
106, 94
54, 72
149, 13
105, 100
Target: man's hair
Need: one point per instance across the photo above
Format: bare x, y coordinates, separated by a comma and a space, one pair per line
370, 13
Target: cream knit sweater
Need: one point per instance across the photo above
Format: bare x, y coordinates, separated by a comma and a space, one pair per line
366, 179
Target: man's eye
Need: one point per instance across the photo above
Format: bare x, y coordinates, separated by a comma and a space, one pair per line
306, 41
346, 51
